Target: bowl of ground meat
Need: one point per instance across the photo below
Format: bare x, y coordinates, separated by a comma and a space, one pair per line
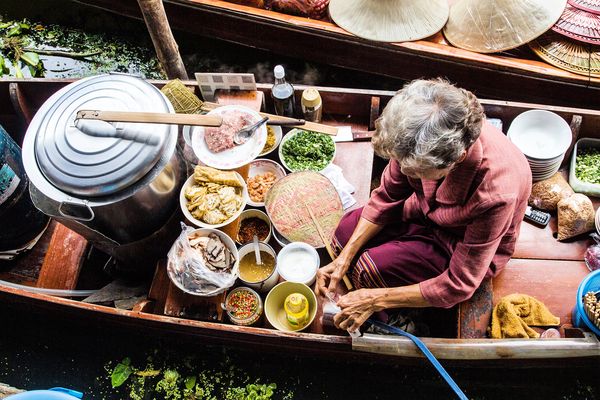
214, 146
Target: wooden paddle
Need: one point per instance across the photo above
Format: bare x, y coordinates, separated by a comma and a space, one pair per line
150, 117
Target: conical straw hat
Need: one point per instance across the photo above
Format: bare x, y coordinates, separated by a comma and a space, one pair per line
567, 54
579, 25
489, 26
390, 20
592, 6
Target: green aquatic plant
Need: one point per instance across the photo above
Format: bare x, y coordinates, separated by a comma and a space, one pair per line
23, 42
184, 383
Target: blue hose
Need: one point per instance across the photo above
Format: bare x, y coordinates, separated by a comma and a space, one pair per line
390, 329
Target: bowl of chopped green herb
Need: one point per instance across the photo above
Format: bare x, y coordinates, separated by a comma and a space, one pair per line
584, 174
302, 150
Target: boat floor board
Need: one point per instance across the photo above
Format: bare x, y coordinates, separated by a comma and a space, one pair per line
553, 282
64, 259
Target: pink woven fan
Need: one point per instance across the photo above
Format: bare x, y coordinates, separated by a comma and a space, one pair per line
578, 24
592, 6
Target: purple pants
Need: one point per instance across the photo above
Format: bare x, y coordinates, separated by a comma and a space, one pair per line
401, 254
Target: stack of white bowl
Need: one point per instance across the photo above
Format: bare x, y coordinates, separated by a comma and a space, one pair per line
543, 137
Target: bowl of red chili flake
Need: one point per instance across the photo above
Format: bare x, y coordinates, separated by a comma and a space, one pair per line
244, 306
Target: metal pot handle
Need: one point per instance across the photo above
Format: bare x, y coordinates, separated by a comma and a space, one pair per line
84, 206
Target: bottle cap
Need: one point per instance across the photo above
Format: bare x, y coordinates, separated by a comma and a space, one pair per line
279, 72
311, 98
296, 302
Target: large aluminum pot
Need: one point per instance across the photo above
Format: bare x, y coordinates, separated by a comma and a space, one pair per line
118, 193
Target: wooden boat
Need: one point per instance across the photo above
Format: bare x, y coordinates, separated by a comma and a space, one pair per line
541, 266
518, 75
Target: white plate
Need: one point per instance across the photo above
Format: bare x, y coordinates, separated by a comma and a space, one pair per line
540, 134
278, 135
261, 166
183, 204
290, 135
236, 156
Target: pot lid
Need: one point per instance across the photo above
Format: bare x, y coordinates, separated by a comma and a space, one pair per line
88, 165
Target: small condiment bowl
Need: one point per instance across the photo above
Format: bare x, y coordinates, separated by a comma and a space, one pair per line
253, 213
290, 135
278, 135
261, 166
183, 204
279, 237
250, 319
298, 262
266, 284
275, 300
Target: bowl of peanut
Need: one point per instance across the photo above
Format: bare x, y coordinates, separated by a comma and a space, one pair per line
262, 176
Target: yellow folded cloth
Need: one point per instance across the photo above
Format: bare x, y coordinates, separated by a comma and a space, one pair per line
515, 313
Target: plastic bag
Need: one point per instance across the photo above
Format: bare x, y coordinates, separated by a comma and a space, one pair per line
592, 254
546, 194
315, 9
198, 271
575, 216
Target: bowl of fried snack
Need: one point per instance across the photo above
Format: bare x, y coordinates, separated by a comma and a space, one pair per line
213, 198
262, 176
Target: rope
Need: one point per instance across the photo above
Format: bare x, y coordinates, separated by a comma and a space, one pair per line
459, 393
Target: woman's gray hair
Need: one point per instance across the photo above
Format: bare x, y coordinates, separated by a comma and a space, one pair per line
428, 124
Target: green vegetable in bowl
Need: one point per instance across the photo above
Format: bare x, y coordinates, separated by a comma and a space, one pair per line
308, 150
587, 166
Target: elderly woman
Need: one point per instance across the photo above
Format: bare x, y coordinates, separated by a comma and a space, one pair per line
446, 215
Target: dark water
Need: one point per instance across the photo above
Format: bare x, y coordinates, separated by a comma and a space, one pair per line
37, 351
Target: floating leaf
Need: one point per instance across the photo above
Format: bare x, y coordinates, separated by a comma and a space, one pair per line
31, 58
190, 382
14, 31
121, 373
6, 25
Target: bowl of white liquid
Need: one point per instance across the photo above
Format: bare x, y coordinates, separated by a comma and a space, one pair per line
298, 262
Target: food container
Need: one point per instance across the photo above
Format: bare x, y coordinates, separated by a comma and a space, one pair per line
274, 305
278, 237
259, 167
121, 194
252, 213
579, 186
289, 136
236, 156
183, 205
267, 283
591, 283
298, 262
243, 306
278, 132
218, 284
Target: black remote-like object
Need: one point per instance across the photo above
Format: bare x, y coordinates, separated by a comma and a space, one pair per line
537, 217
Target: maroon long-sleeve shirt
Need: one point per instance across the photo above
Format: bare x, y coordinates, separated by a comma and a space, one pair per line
475, 212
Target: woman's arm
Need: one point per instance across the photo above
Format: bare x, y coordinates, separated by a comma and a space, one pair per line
357, 306
329, 276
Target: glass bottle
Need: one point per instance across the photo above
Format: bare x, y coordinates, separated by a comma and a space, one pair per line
283, 94
312, 105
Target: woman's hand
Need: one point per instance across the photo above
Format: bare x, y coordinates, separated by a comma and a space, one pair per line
329, 276
357, 307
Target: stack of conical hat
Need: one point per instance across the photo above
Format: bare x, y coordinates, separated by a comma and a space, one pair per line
577, 47
489, 26
390, 20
